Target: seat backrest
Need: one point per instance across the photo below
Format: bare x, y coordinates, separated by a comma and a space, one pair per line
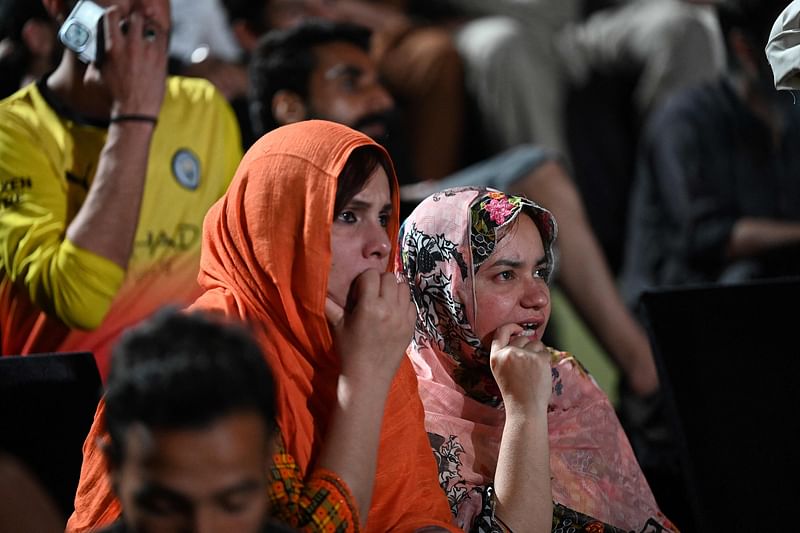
729, 362
47, 404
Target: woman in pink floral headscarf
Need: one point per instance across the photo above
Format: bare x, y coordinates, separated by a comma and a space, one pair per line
524, 437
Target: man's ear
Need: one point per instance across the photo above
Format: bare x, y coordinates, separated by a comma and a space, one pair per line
288, 107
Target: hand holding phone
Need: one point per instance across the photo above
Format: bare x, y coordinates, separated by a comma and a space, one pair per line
82, 31
126, 52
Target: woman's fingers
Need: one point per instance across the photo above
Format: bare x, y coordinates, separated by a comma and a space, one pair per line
111, 28
367, 285
373, 333
502, 335
333, 312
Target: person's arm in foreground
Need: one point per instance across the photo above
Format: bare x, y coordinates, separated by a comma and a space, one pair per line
371, 338
522, 479
135, 74
587, 280
25, 506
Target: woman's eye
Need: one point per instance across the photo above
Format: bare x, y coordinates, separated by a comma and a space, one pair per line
384, 219
346, 216
505, 275
542, 272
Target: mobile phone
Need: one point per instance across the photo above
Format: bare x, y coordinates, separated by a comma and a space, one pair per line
82, 31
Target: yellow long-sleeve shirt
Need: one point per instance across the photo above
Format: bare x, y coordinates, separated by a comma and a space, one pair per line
55, 296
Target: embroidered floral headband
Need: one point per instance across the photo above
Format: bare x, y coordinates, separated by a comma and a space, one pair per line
493, 211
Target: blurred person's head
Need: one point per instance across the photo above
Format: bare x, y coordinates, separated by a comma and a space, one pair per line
190, 414
319, 70
29, 47
782, 48
746, 26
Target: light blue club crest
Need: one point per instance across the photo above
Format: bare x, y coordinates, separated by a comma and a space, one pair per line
186, 168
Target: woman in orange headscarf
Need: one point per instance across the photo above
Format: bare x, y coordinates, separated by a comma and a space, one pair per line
298, 248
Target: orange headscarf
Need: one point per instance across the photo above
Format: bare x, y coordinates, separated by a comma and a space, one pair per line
265, 259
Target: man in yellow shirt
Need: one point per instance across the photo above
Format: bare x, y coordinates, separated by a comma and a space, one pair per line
106, 173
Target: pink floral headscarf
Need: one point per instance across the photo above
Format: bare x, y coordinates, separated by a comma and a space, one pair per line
442, 245
436, 265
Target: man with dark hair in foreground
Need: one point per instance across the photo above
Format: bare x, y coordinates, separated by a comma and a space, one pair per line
190, 413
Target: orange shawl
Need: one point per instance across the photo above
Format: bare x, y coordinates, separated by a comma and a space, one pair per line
265, 257
265, 260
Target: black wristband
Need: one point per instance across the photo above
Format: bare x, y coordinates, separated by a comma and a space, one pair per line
134, 118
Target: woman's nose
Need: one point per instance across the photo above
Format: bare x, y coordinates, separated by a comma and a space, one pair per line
377, 243
537, 294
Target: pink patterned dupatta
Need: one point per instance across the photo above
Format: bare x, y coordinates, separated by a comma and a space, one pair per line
593, 468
